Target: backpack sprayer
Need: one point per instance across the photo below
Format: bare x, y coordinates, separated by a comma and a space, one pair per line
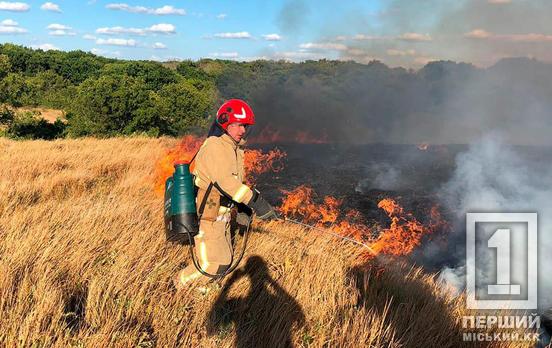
181, 219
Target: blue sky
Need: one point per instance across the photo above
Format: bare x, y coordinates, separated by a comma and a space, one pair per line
397, 32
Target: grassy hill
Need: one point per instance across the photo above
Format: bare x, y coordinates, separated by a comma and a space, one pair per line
84, 263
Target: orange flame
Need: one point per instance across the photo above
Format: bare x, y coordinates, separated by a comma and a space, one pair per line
255, 162
299, 203
183, 151
403, 236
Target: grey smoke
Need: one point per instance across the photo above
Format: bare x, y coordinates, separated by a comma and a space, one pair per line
493, 177
381, 176
443, 103
447, 22
293, 16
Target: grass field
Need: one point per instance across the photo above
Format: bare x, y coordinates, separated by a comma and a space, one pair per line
84, 263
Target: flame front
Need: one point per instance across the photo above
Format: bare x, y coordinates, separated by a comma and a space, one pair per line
299, 203
404, 234
256, 162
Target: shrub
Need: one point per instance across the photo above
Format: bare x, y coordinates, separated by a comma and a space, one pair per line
27, 125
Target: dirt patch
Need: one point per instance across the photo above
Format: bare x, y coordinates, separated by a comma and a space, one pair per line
49, 115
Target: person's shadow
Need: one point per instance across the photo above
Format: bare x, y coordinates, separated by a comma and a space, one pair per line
263, 317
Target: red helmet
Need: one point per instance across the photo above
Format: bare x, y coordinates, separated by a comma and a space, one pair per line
235, 110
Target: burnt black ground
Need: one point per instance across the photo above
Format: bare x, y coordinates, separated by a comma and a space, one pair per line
362, 175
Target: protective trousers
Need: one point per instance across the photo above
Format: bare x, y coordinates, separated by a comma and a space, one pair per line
213, 249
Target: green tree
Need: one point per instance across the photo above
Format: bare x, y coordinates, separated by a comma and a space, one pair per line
106, 105
14, 89
154, 75
48, 89
5, 66
183, 106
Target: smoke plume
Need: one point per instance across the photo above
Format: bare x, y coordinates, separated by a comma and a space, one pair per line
493, 177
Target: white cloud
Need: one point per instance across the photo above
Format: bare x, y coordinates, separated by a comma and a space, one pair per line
499, 2
161, 11
56, 26
162, 28
365, 37
296, 55
424, 60
169, 10
105, 53
97, 51
14, 6
116, 42
9, 26
62, 33
225, 54
236, 35
531, 37
9, 23
415, 37
159, 46
324, 46
46, 47
400, 53
60, 30
50, 6
222, 16
480, 34
403, 37
272, 37
88, 37
12, 30
120, 30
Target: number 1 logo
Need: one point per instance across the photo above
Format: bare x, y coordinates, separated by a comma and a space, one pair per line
501, 241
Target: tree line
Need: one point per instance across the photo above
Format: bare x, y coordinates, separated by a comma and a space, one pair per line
335, 99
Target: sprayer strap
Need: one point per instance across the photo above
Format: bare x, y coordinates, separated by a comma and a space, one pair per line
204, 200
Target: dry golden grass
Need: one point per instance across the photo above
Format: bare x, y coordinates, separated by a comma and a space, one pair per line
83, 262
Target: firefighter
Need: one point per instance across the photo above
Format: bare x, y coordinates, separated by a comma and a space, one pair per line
220, 179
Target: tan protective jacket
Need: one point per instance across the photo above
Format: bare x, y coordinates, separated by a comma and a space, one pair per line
220, 160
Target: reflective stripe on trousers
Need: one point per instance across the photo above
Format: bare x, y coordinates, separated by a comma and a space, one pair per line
213, 248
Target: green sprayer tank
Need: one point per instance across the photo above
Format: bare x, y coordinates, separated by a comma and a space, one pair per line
181, 223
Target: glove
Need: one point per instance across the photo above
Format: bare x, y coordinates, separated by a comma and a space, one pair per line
260, 206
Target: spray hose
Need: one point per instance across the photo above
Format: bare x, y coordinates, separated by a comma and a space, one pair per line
329, 232
232, 266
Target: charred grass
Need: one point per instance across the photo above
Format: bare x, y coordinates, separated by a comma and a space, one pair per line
84, 263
